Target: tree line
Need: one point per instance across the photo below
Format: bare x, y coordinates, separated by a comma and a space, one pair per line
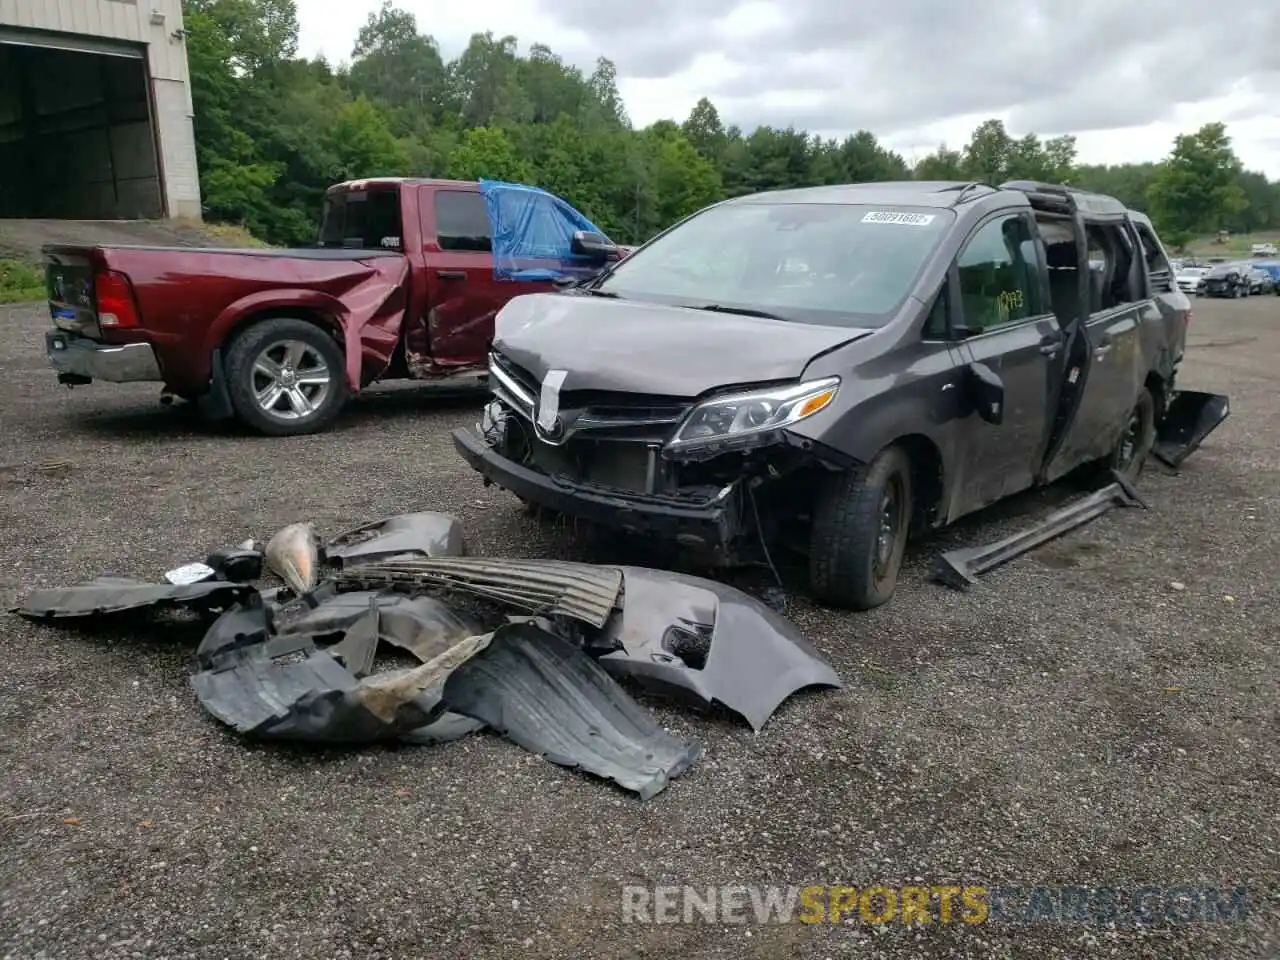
274, 129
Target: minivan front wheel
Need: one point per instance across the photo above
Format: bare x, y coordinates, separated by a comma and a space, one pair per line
861, 520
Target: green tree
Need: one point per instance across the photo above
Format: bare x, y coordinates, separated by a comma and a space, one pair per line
486, 153
1197, 187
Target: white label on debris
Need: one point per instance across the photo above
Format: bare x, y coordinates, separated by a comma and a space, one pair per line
887, 216
190, 573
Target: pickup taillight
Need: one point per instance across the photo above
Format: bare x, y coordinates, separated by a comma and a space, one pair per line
113, 295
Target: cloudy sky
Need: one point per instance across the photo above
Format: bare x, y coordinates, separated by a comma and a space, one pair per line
1126, 76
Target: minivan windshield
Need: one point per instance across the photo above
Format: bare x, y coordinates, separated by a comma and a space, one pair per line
823, 263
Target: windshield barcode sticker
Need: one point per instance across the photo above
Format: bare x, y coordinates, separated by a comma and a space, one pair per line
885, 216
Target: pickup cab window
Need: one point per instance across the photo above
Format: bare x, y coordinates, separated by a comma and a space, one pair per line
462, 222
999, 283
361, 220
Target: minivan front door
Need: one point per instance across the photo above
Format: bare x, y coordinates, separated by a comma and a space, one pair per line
1007, 326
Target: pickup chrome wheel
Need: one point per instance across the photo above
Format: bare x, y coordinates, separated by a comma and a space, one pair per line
860, 523
286, 376
290, 380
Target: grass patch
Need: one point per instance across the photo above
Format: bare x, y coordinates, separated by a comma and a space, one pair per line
223, 234
20, 282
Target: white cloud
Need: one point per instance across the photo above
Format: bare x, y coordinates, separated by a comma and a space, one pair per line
1125, 78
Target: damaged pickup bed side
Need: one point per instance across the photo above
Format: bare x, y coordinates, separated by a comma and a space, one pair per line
828, 371
404, 283
391, 632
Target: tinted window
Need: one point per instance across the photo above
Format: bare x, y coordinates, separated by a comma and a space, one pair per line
361, 219
938, 326
998, 276
839, 264
462, 223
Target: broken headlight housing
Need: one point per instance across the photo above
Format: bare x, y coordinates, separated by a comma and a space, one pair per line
740, 419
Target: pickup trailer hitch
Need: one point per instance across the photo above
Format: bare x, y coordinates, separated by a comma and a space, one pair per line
961, 568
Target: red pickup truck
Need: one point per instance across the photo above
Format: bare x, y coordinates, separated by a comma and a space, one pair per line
401, 284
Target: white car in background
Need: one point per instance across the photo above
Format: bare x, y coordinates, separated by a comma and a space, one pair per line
1263, 250
1191, 279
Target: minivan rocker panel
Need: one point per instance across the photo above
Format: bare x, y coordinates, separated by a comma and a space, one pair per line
829, 370
653, 349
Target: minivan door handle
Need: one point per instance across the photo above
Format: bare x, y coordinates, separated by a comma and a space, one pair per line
451, 274
1051, 344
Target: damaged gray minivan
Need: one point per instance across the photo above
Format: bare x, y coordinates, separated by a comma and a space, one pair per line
833, 369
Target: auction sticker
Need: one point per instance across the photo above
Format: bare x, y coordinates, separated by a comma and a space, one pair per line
886, 216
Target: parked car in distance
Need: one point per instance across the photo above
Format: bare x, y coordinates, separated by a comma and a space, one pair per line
1226, 280
402, 283
1259, 279
1263, 250
1191, 279
1272, 269
831, 369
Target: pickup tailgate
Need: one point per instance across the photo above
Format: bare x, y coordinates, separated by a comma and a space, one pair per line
69, 282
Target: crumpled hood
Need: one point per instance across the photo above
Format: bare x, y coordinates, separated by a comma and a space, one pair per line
633, 347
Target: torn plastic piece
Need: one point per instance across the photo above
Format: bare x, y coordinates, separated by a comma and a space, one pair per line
961, 568
581, 590
409, 535
293, 554
107, 595
1188, 420
359, 648
237, 564
247, 623
190, 573
549, 697
683, 634
324, 611
286, 689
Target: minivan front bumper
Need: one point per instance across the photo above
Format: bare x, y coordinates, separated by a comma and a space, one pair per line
713, 525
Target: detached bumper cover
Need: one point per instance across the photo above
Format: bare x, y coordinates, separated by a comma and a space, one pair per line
715, 524
79, 356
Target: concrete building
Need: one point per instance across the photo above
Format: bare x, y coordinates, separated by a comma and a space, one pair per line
95, 110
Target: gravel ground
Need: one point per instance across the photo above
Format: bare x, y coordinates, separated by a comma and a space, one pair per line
1074, 720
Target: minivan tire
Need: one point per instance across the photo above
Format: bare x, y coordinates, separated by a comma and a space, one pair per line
861, 519
297, 349
1140, 431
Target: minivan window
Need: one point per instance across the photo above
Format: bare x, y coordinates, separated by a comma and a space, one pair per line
834, 264
999, 282
361, 219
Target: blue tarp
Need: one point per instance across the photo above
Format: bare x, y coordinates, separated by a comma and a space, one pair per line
533, 232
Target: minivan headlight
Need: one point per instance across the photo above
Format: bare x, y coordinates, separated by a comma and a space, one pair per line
743, 415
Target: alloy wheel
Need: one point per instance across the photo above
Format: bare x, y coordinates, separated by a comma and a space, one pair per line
290, 380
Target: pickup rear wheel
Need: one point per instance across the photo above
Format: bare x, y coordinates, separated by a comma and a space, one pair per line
860, 524
286, 377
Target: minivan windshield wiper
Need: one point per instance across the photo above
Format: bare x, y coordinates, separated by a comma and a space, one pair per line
741, 311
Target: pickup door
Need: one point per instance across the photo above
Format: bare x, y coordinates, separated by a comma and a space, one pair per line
464, 292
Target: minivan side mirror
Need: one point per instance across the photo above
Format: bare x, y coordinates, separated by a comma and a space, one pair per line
596, 246
986, 392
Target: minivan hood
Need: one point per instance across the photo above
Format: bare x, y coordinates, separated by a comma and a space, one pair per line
633, 347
